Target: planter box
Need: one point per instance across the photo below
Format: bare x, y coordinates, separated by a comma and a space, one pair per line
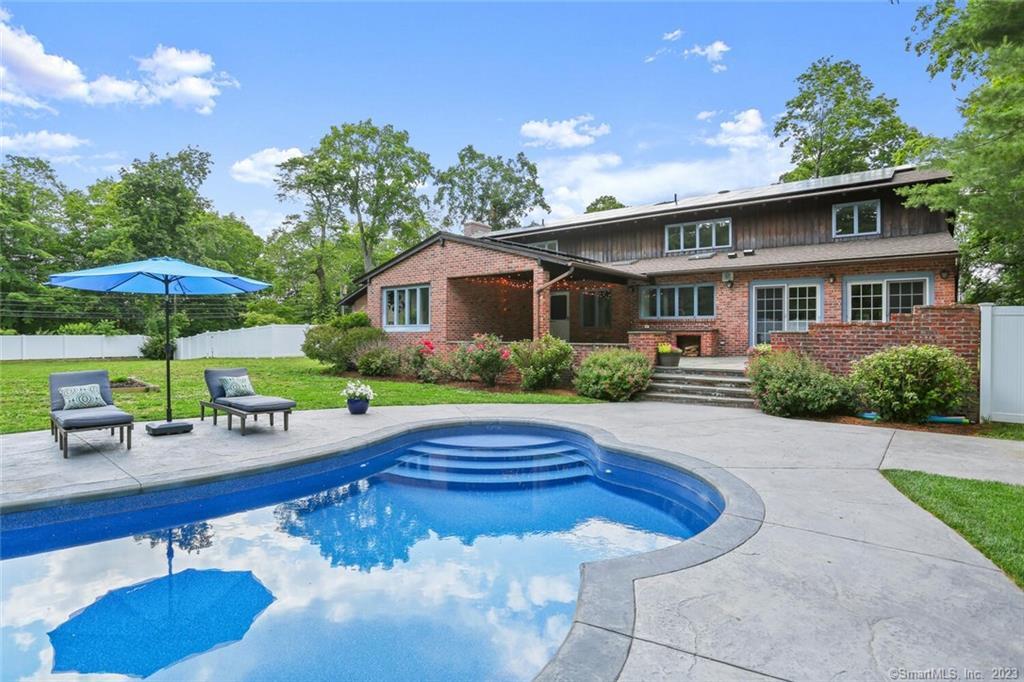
669, 359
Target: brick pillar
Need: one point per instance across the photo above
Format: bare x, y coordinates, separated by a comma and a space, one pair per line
541, 303
646, 342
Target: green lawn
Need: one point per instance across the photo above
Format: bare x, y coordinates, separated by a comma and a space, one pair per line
988, 514
24, 401
1002, 431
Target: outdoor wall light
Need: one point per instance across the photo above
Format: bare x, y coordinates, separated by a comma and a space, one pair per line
944, 274
831, 278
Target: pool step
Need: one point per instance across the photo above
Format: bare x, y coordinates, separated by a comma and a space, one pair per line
542, 463
490, 461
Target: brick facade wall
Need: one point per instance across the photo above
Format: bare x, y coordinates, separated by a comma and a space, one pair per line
732, 304
838, 345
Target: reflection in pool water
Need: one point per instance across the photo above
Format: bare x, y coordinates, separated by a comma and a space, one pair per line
373, 579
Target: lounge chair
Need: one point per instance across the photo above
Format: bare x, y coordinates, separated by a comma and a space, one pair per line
64, 421
242, 407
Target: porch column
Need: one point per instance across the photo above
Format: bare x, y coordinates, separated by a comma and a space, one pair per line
541, 303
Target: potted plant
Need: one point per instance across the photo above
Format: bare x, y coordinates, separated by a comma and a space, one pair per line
359, 396
668, 355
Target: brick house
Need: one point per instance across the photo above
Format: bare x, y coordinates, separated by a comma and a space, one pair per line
712, 274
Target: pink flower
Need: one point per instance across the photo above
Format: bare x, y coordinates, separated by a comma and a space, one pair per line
505, 354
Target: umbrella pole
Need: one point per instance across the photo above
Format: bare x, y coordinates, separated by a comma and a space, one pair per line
167, 344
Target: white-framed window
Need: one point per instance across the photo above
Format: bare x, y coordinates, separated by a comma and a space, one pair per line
678, 300
875, 301
549, 245
784, 307
597, 308
697, 236
406, 308
857, 218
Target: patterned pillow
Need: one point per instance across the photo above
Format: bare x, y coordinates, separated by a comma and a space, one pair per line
235, 387
78, 397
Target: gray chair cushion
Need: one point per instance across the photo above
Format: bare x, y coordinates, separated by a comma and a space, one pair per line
213, 376
257, 403
59, 380
91, 416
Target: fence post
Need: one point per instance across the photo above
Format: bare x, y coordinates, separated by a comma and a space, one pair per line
985, 379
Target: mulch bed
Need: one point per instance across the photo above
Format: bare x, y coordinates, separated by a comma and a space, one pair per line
472, 385
955, 429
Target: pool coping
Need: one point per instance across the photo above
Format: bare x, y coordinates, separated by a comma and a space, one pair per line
601, 634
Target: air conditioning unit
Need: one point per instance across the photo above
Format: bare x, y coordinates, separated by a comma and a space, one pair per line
727, 276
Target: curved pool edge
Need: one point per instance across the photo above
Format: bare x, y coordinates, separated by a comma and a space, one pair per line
601, 633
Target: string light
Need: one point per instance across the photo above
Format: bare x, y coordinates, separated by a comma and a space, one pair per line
507, 282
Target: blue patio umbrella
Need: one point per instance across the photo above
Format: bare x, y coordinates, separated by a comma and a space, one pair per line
140, 629
159, 276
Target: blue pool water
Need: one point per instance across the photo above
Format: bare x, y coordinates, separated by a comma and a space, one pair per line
450, 554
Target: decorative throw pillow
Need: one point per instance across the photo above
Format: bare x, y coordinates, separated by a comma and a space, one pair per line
78, 397
235, 387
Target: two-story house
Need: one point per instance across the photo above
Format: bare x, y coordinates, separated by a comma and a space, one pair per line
716, 273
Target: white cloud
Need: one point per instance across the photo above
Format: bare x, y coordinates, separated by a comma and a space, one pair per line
168, 64
264, 221
707, 115
41, 142
747, 156
673, 36
745, 130
713, 52
260, 168
570, 133
30, 75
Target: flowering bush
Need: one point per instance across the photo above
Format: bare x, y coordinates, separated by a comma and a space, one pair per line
487, 358
541, 362
357, 390
664, 348
615, 375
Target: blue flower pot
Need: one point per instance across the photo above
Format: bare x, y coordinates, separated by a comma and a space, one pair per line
358, 406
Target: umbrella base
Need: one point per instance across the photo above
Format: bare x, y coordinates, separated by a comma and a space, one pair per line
167, 428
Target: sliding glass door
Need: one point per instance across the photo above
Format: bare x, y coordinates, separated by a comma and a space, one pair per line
784, 307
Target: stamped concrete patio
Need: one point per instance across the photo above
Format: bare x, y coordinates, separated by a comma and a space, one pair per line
844, 579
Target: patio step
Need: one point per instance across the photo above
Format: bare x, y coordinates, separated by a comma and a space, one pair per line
691, 399
700, 389
704, 371
702, 379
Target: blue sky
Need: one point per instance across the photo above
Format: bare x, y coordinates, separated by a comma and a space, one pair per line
638, 101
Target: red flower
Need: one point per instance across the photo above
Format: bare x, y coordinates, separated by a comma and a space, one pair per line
505, 354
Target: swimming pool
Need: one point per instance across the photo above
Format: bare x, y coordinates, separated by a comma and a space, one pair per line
443, 553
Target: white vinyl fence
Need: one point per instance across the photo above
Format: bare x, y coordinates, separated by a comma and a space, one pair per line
68, 347
269, 341
1002, 363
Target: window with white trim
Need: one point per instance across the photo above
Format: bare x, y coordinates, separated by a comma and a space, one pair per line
688, 300
597, 308
876, 301
784, 307
406, 307
549, 245
708, 234
857, 218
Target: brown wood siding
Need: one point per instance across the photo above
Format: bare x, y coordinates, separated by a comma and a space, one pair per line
784, 223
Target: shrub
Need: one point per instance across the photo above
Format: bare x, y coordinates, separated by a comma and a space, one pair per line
541, 362
458, 365
350, 321
378, 360
337, 347
434, 370
100, 327
255, 319
787, 384
153, 348
8, 332
910, 383
487, 358
615, 375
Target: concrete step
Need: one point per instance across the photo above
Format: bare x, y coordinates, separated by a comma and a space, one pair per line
702, 371
701, 389
691, 399
704, 379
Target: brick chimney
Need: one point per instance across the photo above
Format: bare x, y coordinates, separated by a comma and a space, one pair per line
474, 228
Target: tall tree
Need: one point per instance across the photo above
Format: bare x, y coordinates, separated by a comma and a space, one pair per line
605, 202
363, 178
981, 42
160, 199
837, 125
495, 190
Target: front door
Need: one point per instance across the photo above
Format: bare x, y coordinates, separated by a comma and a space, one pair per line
560, 314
